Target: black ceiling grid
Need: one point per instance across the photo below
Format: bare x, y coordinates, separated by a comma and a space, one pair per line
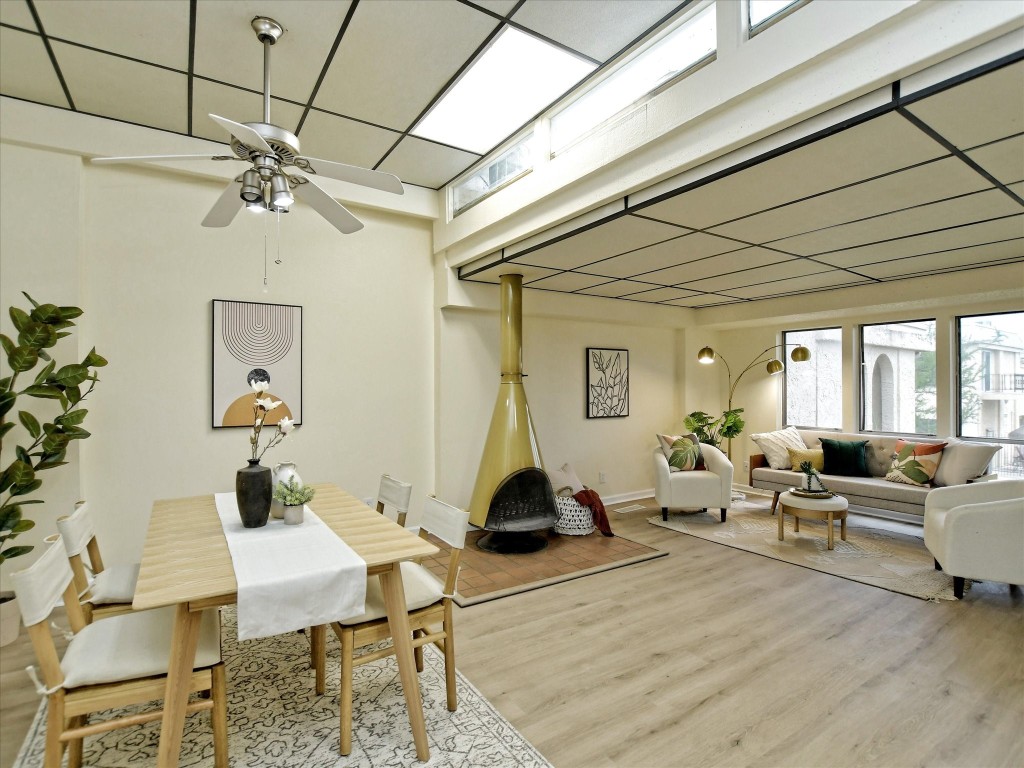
49, 52
896, 104
192, 7
327, 64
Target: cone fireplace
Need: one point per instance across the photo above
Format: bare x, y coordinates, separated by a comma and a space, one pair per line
512, 498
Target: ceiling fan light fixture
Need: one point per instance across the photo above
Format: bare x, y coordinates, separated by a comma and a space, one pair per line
280, 194
252, 187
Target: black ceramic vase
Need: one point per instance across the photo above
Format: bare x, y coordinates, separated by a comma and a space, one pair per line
253, 491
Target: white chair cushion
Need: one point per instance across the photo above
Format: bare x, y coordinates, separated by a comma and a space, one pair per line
133, 645
115, 584
422, 588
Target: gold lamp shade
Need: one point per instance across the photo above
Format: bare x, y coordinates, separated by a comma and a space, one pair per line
800, 354
775, 367
706, 356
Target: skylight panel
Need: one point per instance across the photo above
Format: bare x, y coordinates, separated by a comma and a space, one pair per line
663, 61
514, 79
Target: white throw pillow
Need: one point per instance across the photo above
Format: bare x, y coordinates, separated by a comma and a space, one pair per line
564, 478
963, 461
775, 446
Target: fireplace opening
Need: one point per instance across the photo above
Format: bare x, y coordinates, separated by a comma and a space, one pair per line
522, 505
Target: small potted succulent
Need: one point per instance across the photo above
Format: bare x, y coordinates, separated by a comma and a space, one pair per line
812, 482
293, 495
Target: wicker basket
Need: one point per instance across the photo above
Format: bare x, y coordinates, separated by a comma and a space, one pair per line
573, 518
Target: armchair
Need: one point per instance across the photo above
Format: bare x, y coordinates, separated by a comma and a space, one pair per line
694, 489
976, 531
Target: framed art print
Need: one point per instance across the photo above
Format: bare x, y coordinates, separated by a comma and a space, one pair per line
256, 341
607, 382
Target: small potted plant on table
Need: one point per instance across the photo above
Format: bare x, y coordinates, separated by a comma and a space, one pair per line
293, 495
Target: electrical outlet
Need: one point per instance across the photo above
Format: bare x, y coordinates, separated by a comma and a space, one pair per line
746, 466
602, 477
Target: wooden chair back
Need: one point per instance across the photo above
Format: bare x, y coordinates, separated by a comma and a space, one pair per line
396, 494
79, 535
449, 524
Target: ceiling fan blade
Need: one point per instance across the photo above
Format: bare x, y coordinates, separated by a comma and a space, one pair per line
227, 205
338, 215
243, 133
153, 158
351, 173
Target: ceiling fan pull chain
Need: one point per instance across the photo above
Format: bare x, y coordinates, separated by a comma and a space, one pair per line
278, 260
265, 286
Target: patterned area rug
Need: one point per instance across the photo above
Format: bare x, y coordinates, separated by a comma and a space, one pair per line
488, 576
275, 718
873, 553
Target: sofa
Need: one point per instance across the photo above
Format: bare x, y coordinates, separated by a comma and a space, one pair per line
962, 462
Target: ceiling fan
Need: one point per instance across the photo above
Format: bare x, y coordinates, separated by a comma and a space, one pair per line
276, 161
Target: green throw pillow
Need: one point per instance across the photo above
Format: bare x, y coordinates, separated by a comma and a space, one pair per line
844, 457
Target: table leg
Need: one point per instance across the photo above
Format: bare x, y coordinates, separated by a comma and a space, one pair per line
781, 515
184, 640
831, 532
842, 529
796, 523
398, 621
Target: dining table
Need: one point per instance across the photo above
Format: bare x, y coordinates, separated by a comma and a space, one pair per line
186, 563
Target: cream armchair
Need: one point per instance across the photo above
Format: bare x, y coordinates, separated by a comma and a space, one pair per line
696, 489
976, 531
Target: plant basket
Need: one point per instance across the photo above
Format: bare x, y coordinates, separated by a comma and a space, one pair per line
573, 518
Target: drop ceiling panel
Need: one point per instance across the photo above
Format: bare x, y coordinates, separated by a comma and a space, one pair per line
494, 273
786, 270
960, 237
159, 36
658, 295
124, 89
330, 137
915, 186
391, 83
1009, 250
1004, 159
703, 300
567, 281
16, 13
651, 260
878, 146
610, 24
25, 69
500, 7
425, 163
979, 111
625, 233
227, 48
719, 265
617, 288
834, 279
990, 204
235, 104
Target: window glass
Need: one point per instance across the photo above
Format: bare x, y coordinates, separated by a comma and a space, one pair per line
991, 385
898, 377
508, 166
666, 59
814, 389
761, 11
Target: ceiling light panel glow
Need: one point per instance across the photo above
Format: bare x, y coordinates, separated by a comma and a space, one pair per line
514, 79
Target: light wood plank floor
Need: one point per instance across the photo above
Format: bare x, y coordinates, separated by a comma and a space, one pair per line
717, 657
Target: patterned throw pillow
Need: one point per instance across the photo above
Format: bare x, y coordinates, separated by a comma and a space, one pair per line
814, 455
682, 451
915, 463
774, 446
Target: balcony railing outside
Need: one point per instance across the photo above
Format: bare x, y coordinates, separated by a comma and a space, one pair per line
1003, 382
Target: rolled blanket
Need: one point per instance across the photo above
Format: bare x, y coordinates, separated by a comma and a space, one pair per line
589, 498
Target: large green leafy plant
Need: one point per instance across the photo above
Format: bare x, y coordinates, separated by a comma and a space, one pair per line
713, 431
39, 329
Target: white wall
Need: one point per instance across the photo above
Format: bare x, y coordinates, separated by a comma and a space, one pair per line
148, 274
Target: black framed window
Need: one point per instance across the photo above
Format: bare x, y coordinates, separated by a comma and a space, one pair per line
990, 385
898, 387
814, 389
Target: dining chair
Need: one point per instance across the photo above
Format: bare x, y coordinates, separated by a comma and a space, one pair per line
396, 494
429, 602
119, 661
113, 587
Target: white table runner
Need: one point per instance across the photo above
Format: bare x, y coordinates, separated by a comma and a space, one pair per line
290, 576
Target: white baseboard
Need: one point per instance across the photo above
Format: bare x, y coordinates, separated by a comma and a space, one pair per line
618, 498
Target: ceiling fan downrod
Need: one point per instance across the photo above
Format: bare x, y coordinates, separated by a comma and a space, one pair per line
267, 32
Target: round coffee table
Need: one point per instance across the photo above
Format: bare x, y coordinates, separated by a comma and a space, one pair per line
831, 508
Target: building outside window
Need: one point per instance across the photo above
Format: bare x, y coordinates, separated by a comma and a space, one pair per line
898, 377
991, 385
814, 389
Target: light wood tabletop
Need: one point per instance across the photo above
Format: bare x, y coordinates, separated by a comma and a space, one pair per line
186, 563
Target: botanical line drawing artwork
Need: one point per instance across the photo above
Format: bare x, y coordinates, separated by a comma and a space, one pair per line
607, 382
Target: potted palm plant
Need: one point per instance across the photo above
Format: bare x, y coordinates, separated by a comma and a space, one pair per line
44, 443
